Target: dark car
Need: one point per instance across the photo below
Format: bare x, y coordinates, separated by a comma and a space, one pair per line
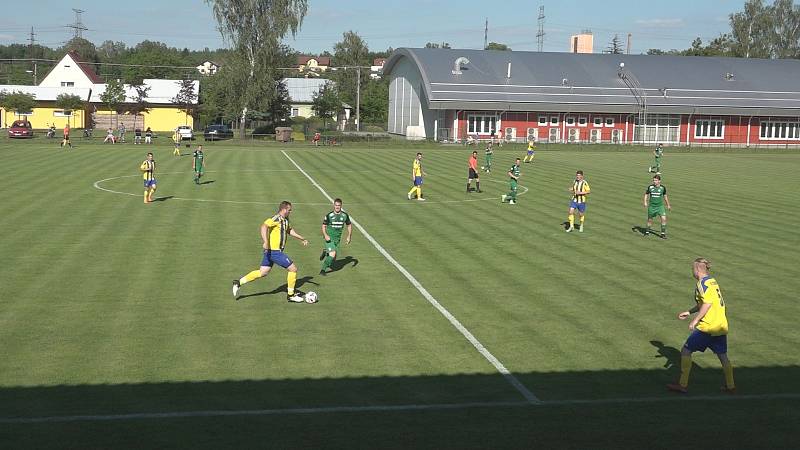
20, 129
217, 132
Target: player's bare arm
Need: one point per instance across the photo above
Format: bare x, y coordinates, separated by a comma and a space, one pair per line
700, 314
264, 238
645, 199
349, 232
325, 233
297, 236
666, 201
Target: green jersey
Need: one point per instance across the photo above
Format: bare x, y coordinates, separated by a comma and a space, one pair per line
334, 223
489, 152
659, 152
198, 159
656, 195
514, 170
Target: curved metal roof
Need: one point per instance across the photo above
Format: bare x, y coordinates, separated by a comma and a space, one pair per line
591, 82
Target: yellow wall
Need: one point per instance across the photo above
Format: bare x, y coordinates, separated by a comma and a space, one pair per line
161, 118
304, 110
43, 117
158, 118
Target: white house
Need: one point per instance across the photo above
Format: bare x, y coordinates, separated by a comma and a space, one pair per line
208, 68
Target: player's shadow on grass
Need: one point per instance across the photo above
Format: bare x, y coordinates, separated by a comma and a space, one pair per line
281, 289
672, 357
639, 229
208, 182
163, 199
339, 264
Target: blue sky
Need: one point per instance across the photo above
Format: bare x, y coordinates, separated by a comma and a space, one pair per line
407, 23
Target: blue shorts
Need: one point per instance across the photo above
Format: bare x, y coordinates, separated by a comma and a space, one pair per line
149, 183
579, 206
417, 181
275, 257
699, 341
530, 152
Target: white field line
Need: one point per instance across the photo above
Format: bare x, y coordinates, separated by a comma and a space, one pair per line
527, 394
677, 398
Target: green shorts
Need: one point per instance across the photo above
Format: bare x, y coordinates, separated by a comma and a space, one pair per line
653, 211
199, 169
512, 184
332, 245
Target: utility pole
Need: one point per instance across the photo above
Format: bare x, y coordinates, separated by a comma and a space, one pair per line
486, 34
32, 40
78, 27
358, 98
540, 33
628, 50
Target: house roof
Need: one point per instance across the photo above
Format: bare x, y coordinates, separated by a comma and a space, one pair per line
379, 61
321, 60
302, 90
85, 67
592, 82
161, 91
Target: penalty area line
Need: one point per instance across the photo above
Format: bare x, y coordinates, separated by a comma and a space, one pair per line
526, 393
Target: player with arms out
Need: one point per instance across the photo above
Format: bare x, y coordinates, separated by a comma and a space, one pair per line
274, 232
579, 189
709, 328
531, 152
198, 164
472, 173
657, 154
148, 168
488, 155
416, 177
332, 225
655, 198
513, 183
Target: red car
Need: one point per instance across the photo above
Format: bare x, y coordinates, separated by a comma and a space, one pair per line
20, 129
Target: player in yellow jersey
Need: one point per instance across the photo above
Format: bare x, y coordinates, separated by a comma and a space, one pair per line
416, 177
176, 138
531, 152
274, 232
580, 189
148, 168
709, 328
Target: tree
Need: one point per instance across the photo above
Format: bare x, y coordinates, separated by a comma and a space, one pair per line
112, 51
785, 29
280, 108
615, 46
113, 96
436, 45
351, 51
69, 102
85, 49
751, 30
497, 46
255, 29
186, 98
151, 60
326, 103
18, 101
140, 104
375, 102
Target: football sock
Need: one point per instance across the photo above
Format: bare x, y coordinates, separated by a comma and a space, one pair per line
254, 275
412, 191
419, 192
291, 279
663, 228
326, 263
571, 219
478, 185
686, 367
467, 187
728, 370
146, 193
582, 219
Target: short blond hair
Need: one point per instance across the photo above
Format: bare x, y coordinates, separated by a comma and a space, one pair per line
704, 262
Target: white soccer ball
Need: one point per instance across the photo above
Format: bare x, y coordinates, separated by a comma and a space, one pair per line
311, 297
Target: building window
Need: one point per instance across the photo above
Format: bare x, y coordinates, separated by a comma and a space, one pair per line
709, 129
658, 128
582, 121
62, 113
598, 121
609, 121
295, 112
67, 83
554, 120
542, 121
570, 121
771, 130
481, 124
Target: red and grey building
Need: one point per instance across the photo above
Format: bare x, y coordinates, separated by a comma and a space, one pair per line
450, 95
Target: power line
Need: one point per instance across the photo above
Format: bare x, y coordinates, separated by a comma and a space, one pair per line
78, 27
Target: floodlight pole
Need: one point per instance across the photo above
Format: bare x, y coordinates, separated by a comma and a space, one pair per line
358, 99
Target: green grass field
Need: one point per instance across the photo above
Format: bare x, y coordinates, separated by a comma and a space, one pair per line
113, 312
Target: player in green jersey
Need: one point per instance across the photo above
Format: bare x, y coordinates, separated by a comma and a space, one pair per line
488, 154
332, 226
198, 164
655, 199
513, 182
657, 154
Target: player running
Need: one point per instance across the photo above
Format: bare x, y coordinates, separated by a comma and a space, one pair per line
472, 172
273, 234
580, 189
657, 153
513, 183
332, 225
176, 138
198, 164
416, 177
655, 198
488, 155
709, 328
66, 140
531, 152
148, 168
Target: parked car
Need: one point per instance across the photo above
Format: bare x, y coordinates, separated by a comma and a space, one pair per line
217, 132
20, 129
185, 132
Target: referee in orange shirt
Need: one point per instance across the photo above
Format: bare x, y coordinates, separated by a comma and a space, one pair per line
473, 173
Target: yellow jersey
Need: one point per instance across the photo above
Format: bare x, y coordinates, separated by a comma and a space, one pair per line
176, 138
416, 168
714, 322
531, 146
148, 169
277, 230
580, 186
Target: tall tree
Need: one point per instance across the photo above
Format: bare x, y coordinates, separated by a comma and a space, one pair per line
785, 29
497, 46
18, 101
69, 102
186, 98
437, 45
326, 103
375, 103
84, 48
615, 46
113, 96
139, 103
254, 29
351, 51
751, 30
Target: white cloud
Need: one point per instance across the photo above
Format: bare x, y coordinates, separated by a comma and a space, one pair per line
660, 23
